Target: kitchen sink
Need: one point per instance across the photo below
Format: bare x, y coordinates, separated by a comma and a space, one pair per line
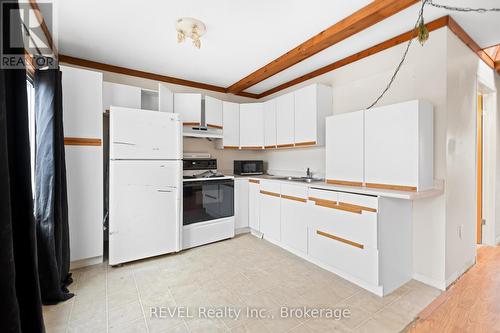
299, 179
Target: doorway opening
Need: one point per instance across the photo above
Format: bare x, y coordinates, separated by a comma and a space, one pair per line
479, 172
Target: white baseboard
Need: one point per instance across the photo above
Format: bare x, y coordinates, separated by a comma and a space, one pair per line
453, 277
243, 230
439, 284
85, 262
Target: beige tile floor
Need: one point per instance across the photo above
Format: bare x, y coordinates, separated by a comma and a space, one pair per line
241, 273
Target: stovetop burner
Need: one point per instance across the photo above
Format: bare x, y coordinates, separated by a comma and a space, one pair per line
206, 174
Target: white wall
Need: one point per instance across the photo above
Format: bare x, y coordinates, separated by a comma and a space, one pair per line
496, 203
460, 191
224, 158
487, 85
355, 86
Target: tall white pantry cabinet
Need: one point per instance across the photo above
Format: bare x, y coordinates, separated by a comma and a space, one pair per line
82, 112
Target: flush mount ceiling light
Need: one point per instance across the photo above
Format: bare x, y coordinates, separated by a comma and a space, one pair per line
191, 28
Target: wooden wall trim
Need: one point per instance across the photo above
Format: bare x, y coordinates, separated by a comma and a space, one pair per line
434, 25
71, 141
363, 18
132, 72
43, 26
145, 75
467, 40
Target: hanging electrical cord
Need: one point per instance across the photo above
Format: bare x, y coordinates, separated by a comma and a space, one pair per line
422, 35
463, 9
420, 20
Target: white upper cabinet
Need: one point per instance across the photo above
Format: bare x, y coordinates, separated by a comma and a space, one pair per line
188, 106
399, 146
285, 120
344, 148
312, 104
251, 125
83, 106
121, 95
269, 108
231, 124
213, 112
166, 99
82, 102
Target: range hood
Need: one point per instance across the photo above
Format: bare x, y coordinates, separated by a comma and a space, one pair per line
202, 131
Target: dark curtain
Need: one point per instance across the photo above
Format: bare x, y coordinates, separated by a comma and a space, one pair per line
51, 196
20, 305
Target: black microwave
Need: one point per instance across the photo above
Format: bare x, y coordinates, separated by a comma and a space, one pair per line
249, 167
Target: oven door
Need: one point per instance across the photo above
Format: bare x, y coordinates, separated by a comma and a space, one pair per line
205, 200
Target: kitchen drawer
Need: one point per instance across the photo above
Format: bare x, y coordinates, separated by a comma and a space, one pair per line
357, 225
333, 251
365, 202
271, 187
323, 195
294, 192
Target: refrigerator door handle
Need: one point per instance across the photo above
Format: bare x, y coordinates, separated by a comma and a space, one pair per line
124, 143
165, 191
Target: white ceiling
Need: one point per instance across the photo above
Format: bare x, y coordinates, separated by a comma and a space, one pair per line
242, 35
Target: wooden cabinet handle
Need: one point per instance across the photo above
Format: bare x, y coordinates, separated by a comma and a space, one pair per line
392, 187
343, 182
289, 197
252, 148
270, 193
348, 205
287, 145
340, 239
255, 181
70, 141
339, 207
188, 123
307, 143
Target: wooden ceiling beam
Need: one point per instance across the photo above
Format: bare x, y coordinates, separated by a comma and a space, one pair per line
431, 26
367, 16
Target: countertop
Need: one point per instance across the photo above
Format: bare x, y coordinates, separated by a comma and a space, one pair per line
407, 195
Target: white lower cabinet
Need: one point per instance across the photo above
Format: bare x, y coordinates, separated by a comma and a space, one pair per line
270, 210
241, 203
254, 204
359, 263
294, 215
365, 239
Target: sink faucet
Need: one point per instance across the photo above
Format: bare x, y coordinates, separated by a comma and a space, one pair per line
309, 173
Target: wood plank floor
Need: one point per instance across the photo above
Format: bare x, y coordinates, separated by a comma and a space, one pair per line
471, 305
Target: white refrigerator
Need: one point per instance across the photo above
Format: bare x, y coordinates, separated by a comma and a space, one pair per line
145, 182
